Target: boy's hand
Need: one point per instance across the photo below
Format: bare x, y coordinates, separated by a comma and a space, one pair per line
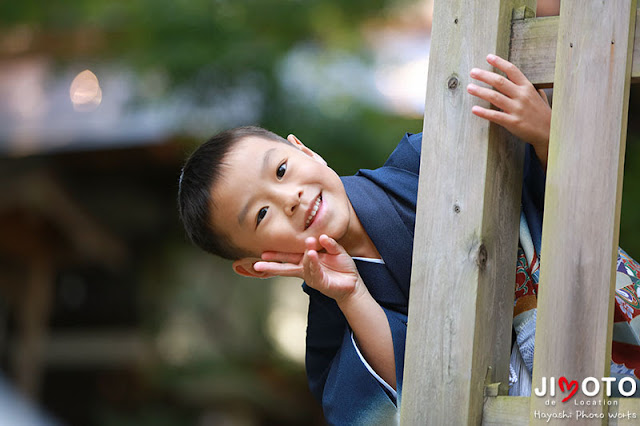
331, 272
334, 273
524, 111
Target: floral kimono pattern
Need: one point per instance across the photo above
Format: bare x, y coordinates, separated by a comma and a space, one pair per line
625, 356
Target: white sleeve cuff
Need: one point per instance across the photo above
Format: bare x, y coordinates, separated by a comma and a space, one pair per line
389, 389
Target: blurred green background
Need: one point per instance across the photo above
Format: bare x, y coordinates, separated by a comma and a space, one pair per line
107, 315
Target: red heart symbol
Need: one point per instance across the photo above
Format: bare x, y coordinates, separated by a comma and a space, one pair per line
571, 386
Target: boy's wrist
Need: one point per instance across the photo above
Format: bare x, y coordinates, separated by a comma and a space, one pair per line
358, 295
542, 152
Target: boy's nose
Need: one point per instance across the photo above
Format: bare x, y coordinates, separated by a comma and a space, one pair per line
292, 201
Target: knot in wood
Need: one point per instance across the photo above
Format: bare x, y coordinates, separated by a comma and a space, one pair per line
481, 259
453, 82
456, 208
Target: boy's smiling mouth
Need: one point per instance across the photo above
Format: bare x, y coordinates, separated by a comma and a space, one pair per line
311, 212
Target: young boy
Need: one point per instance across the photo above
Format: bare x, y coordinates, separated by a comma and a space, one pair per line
275, 208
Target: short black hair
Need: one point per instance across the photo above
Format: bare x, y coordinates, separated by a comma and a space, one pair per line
201, 172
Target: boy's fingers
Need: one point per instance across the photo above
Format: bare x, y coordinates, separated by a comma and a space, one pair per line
543, 95
493, 97
492, 115
498, 82
508, 68
311, 243
277, 256
311, 264
312, 261
282, 269
331, 245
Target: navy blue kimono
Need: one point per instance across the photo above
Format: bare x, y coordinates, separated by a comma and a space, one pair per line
385, 202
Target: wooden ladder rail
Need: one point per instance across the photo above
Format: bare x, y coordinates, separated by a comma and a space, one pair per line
459, 328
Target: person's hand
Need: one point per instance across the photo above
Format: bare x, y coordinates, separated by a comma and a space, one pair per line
523, 110
332, 271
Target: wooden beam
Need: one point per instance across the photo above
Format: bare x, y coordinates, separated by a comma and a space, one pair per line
506, 411
624, 412
583, 194
514, 411
461, 305
533, 49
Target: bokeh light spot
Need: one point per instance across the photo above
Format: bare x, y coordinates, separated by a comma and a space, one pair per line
85, 92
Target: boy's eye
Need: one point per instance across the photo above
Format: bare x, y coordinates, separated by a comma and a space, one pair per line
261, 214
282, 169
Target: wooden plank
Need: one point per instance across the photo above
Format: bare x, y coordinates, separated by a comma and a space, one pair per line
624, 412
514, 411
533, 49
461, 304
583, 194
506, 411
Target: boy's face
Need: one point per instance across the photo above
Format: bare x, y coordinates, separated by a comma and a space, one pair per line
272, 196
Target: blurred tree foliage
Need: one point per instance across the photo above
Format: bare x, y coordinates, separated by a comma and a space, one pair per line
209, 48
206, 321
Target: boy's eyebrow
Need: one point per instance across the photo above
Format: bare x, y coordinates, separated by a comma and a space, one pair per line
265, 164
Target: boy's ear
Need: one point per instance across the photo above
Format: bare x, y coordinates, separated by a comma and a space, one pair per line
244, 267
297, 143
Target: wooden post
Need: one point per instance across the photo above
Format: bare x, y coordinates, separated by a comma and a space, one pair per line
33, 316
533, 49
461, 305
582, 204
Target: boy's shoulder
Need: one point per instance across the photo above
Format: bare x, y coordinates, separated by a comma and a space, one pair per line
415, 140
407, 154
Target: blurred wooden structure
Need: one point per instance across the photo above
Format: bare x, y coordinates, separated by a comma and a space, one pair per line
461, 305
42, 228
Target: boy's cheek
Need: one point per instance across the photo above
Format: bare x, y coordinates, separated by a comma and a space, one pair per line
280, 245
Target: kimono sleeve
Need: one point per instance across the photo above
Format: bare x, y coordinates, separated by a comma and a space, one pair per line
349, 393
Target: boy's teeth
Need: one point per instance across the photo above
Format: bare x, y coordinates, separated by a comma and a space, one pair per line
313, 211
